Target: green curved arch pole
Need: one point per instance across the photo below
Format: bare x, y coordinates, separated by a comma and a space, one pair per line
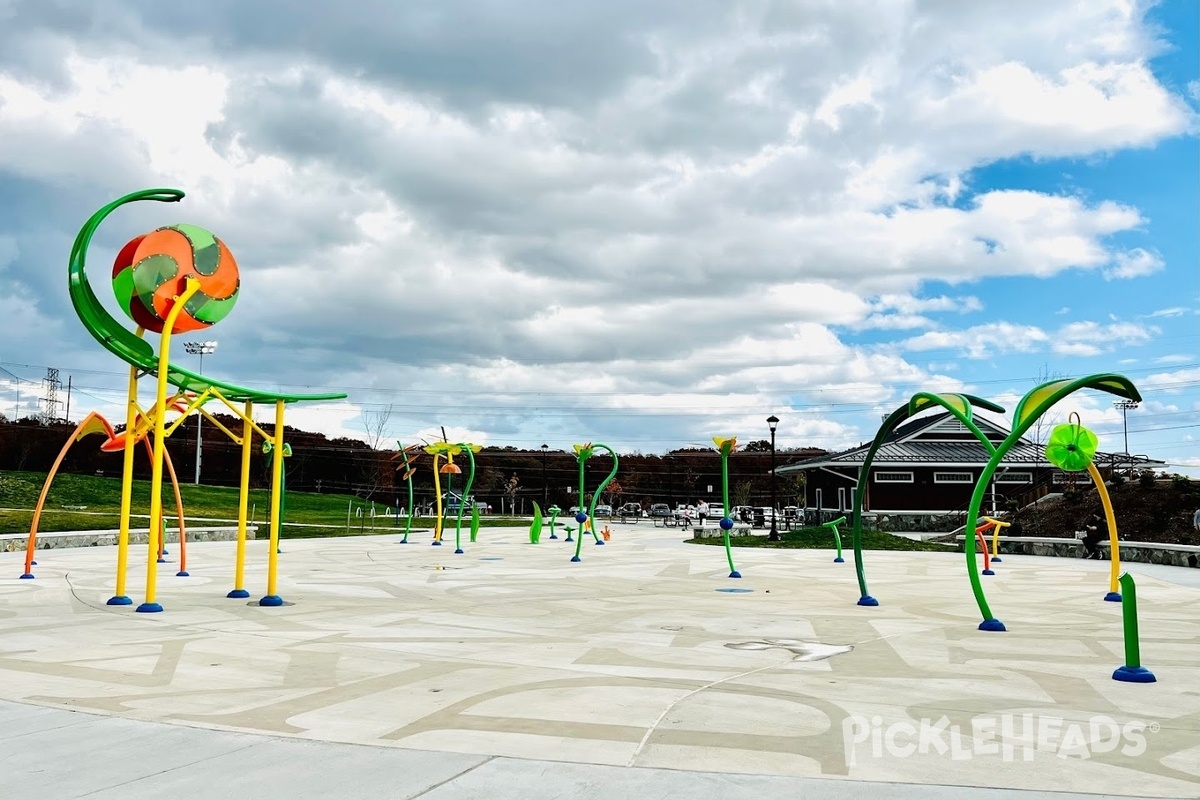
127, 345
583, 453
1036, 402
960, 406
462, 503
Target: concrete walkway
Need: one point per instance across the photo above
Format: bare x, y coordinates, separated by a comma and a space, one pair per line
61, 755
406, 671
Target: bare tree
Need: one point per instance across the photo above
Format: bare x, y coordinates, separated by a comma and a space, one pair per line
375, 468
375, 423
511, 488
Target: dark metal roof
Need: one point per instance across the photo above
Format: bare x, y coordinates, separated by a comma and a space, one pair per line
903, 448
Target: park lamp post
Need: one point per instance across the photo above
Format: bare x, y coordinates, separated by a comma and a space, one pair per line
773, 536
199, 349
545, 490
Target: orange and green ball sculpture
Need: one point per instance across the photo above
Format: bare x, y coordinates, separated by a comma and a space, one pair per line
151, 271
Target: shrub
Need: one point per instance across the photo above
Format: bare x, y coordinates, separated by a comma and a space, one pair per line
1146, 479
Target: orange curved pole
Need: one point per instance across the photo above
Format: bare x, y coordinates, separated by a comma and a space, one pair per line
92, 423
987, 558
178, 513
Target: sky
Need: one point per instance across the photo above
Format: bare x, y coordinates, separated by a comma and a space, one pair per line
643, 224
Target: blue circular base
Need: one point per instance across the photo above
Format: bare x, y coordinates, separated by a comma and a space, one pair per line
989, 572
867, 600
735, 574
599, 542
839, 560
402, 541
149, 608
575, 559
182, 574
277, 550
28, 576
734, 590
238, 594
569, 539
119, 600
271, 600
34, 563
162, 561
1113, 597
552, 536
1134, 675
997, 560
437, 544
992, 625
165, 553
458, 552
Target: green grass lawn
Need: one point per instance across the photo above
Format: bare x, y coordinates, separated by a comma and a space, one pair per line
87, 502
821, 538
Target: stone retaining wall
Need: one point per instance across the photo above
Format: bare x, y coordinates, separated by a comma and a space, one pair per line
51, 540
1178, 555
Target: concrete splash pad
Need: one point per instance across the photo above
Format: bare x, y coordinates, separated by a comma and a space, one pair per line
634, 658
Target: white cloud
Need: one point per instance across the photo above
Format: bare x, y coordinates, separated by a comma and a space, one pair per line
1073, 339
1135, 263
1173, 311
697, 206
1092, 338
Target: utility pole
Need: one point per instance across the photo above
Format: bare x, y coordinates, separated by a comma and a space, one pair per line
52, 384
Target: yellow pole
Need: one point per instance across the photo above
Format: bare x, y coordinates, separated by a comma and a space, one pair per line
239, 569
160, 446
119, 597
272, 598
437, 493
997, 526
1114, 549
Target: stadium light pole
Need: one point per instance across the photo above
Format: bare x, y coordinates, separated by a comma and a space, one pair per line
773, 536
545, 489
1125, 405
199, 349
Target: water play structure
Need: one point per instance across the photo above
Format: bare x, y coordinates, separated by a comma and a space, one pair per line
173, 280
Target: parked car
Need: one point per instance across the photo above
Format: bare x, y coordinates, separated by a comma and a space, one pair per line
660, 510
630, 510
604, 511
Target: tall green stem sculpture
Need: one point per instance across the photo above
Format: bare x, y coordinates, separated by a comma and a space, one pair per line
582, 453
470, 450
1033, 405
409, 469
957, 404
1133, 671
726, 446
